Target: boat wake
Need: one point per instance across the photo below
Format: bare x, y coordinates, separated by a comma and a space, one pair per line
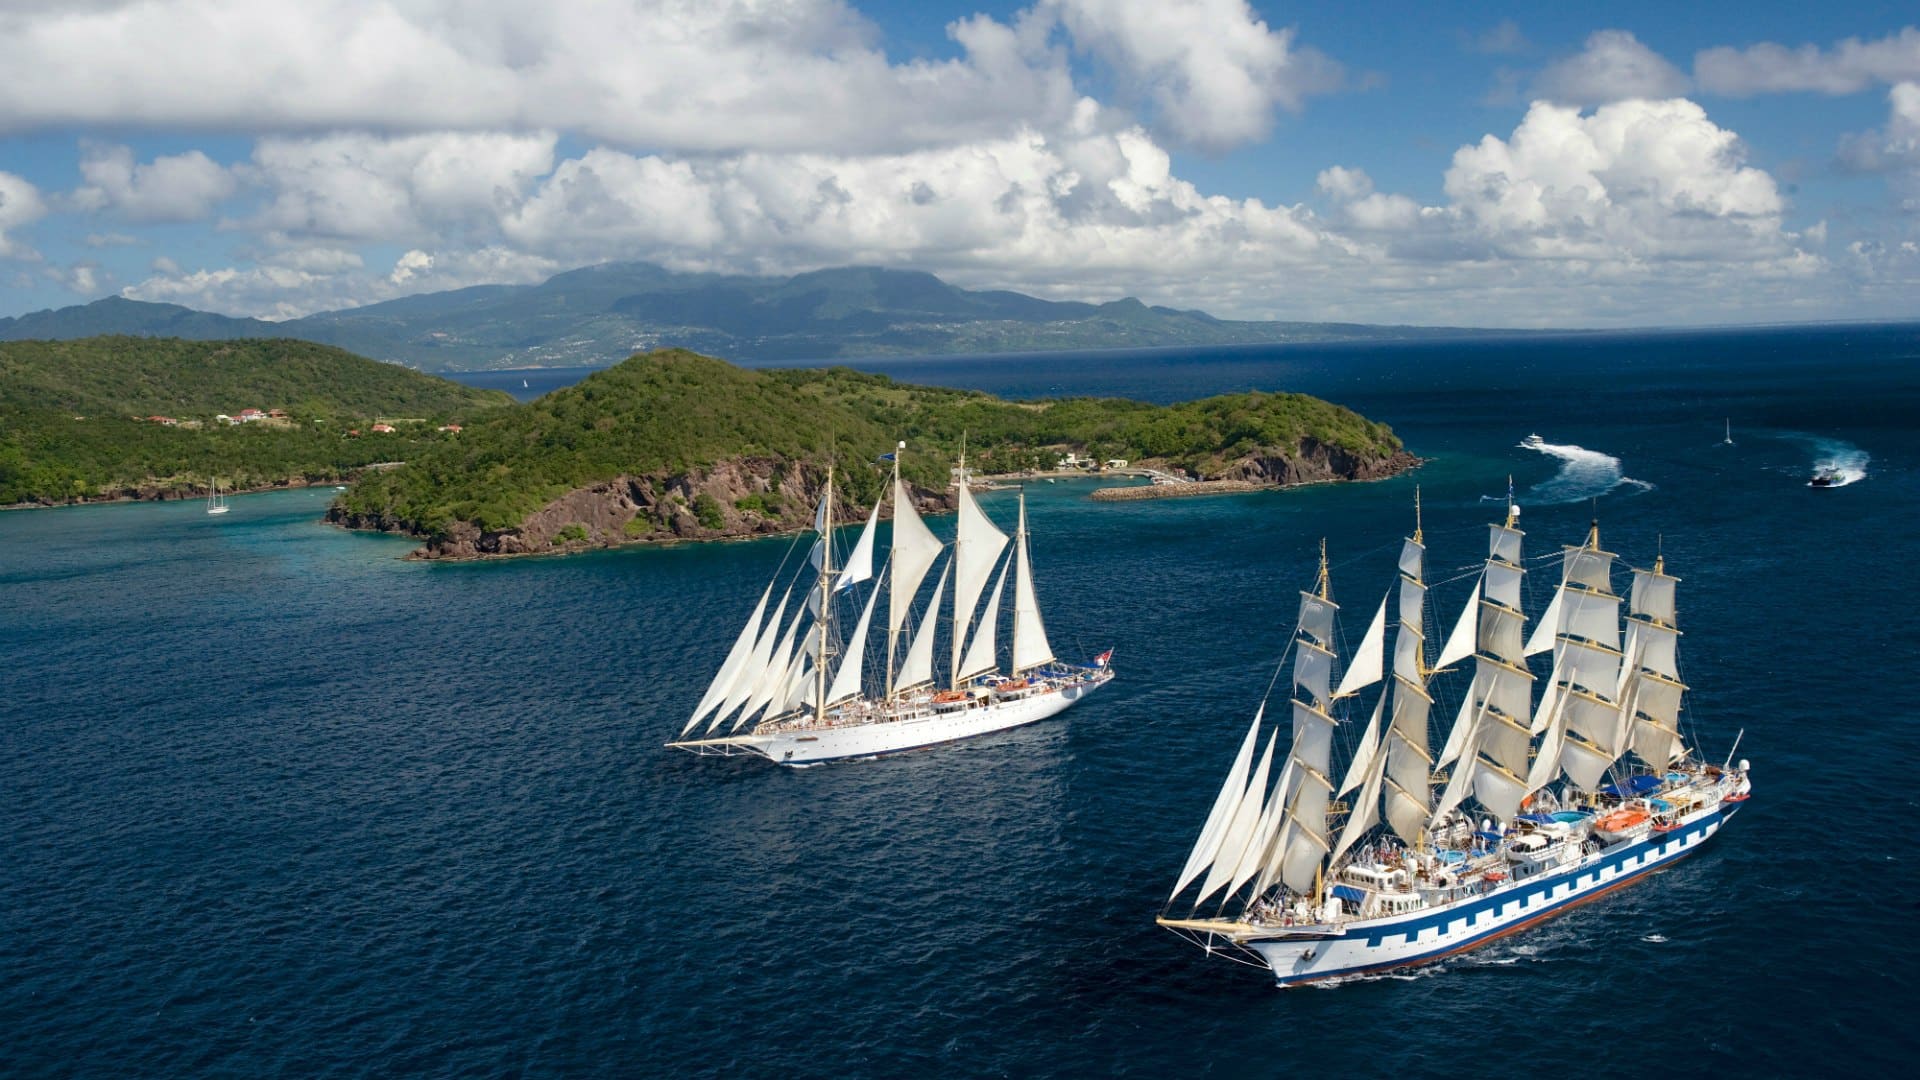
1841, 462
1584, 474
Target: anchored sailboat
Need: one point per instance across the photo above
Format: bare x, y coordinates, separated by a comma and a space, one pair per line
1591, 790
216, 502
802, 695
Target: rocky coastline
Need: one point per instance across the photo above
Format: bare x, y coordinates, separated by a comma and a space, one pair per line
757, 497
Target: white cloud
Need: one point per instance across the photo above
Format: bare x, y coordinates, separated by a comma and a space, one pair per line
109, 240
1614, 66
1214, 70
1633, 181
407, 188
180, 187
1894, 149
20, 205
682, 74
1343, 183
1850, 66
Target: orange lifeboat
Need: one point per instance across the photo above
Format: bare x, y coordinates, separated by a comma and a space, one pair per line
948, 697
1621, 821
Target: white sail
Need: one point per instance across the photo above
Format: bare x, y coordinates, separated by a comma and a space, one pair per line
1311, 754
977, 545
1316, 618
918, 666
1653, 595
980, 653
754, 673
1590, 567
1224, 804
773, 673
1407, 648
859, 565
1549, 625
1312, 670
1366, 809
1367, 667
1364, 753
1657, 647
1412, 558
1503, 543
1500, 630
1594, 667
846, 681
1030, 647
1260, 847
1592, 616
730, 667
1459, 644
1409, 764
1456, 743
1246, 818
1413, 599
1501, 584
914, 550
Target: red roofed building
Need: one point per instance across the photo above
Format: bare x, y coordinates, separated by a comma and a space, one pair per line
383, 429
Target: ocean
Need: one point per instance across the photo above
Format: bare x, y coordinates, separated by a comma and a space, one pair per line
279, 802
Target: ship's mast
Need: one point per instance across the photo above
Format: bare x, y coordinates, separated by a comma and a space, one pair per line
959, 617
893, 568
826, 598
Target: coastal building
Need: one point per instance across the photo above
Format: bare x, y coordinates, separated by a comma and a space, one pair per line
251, 416
383, 429
1117, 463
454, 428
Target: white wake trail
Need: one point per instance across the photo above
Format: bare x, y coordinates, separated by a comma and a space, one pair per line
1843, 461
1584, 474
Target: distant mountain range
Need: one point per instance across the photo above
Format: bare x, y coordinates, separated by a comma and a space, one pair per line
602, 314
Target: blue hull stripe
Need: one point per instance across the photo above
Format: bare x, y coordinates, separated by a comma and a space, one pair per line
1375, 936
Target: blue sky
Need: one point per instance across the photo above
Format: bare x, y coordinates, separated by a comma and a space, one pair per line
1503, 165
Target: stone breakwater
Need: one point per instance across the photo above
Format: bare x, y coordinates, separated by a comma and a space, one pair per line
1177, 491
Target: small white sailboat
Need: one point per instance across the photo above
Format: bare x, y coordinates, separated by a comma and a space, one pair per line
1728, 441
800, 695
216, 502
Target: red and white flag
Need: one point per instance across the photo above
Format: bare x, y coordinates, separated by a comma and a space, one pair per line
1101, 660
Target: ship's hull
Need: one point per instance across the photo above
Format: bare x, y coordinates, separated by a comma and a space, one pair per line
814, 745
1377, 945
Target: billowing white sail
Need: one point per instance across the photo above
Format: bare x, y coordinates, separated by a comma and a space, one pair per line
914, 550
859, 565
1459, 644
1458, 734
977, 545
1653, 595
1548, 627
1409, 763
730, 667
918, 666
1369, 659
1363, 754
1030, 647
1366, 809
980, 653
1316, 618
846, 681
1503, 543
773, 673
754, 673
1240, 831
1224, 804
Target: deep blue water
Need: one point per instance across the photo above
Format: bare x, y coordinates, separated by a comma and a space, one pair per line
276, 801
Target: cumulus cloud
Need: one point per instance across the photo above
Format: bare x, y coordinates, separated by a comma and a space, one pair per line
359, 186
179, 187
20, 205
1634, 180
1614, 66
1212, 68
1894, 149
1848, 67
681, 74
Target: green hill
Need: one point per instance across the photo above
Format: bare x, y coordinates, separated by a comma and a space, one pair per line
75, 416
600, 314
674, 444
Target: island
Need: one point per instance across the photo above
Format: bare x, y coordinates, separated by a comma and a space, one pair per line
673, 445
123, 417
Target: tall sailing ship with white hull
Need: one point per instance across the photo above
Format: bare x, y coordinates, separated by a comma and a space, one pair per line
1526, 809
793, 691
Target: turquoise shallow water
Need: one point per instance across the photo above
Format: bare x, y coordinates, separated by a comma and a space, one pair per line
277, 801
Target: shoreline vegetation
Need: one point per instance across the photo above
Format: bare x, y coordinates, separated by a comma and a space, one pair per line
116, 419
673, 446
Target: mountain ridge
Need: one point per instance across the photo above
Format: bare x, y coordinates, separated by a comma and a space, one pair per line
598, 315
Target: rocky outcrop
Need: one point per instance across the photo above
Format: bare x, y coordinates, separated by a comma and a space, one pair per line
1316, 462
731, 500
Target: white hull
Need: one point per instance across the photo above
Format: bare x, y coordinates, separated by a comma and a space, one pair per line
872, 738
1312, 954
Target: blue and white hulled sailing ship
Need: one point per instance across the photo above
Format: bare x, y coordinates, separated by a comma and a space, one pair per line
1526, 810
